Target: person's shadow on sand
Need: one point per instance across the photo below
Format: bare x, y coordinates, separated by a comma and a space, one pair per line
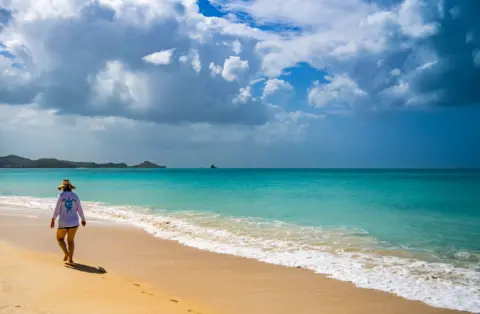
86, 268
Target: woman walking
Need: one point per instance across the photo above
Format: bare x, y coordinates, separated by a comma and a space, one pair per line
67, 210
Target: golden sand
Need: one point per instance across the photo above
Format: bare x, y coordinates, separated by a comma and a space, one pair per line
150, 275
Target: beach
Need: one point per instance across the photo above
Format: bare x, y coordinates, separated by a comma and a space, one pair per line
240, 156
33, 282
126, 270
268, 240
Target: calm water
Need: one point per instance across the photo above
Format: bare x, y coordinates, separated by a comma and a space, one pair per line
414, 233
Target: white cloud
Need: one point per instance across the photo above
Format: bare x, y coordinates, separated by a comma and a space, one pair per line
115, 83
135, 11
401, 88
244, 95
256, 81
345, 51
45, 9
193, 57
159, 58
215, 69
408, 16
410, 19
106, 73
340, 91
338, 35
399, 92
233, 67
290, 126
236, 46
110, 138
13, 75
196, 63
320, 14
338, 32
102, 74
274, 85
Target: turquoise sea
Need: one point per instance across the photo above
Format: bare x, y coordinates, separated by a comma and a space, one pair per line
415, 233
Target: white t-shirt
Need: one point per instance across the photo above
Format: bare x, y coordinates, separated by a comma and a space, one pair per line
68, 209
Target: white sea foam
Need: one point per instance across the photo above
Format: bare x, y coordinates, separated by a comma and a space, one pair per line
342, 254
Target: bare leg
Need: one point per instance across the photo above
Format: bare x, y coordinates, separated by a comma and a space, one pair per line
71, 243
61, 233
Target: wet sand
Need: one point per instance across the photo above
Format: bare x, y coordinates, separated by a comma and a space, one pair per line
197, 280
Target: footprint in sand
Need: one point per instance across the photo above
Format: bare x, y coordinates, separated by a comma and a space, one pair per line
9, 309
173, 300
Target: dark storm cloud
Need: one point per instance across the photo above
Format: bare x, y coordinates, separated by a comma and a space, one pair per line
437, 69
82, 48
455, 77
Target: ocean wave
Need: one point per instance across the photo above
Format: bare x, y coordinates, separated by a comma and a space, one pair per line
345, 254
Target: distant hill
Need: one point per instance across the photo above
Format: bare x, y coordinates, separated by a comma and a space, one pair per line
147, 164
13, 161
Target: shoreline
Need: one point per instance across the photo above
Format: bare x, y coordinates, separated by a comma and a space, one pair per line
226, 283
436, 284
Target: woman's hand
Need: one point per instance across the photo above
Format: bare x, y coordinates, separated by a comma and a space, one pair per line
84, 223
52, 223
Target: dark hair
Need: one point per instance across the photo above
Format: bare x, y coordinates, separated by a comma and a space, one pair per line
67, 189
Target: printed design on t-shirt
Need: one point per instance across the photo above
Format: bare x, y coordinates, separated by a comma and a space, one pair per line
69, 204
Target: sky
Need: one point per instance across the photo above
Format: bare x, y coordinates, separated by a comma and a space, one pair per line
242, 83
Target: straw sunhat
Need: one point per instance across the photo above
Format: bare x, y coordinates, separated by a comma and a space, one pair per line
64, 184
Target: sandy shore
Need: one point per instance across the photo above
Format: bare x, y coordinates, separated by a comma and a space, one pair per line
37, 283
135, 262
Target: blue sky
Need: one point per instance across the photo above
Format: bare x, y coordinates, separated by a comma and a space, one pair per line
260, 83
